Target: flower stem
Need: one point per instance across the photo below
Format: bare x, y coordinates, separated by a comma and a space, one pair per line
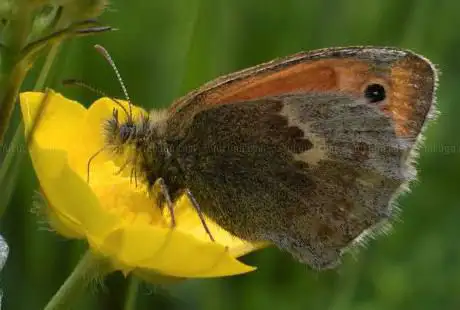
131, 294
89, 265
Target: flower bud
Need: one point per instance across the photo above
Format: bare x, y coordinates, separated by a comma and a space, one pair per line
84, 9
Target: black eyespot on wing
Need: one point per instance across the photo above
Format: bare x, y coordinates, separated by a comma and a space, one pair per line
375, 93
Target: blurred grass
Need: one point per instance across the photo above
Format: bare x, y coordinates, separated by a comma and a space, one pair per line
166, 48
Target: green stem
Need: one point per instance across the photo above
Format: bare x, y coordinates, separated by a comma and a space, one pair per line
40, 84
13, 72
131, 294
10, 168
54, 50
13, 159
89, 265
11, 77
10, 94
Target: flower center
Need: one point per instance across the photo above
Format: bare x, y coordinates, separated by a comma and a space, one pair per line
133, 204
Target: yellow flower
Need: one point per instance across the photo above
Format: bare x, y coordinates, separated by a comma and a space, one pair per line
119, 220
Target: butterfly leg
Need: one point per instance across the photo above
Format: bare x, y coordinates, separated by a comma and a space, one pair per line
122, 167
164, 194
133, 175
197, 208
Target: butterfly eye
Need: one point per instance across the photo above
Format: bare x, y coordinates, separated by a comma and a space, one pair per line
375, 93
126, 132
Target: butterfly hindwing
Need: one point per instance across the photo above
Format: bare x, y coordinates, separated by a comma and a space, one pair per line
285, 169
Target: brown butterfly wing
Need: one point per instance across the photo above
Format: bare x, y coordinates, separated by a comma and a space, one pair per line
315, 165
409, 80
273, 169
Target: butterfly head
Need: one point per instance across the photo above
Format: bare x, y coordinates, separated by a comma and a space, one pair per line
121, 134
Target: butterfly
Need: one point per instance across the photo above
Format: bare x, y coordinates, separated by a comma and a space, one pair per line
307, 152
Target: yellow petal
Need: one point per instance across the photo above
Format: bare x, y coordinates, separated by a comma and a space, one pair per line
143, 237
70, 197
55, 130
60, 223
188, 221
58, 118
43, 161
171, 252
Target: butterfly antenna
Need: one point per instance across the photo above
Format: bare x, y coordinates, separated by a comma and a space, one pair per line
109, 59
80, 83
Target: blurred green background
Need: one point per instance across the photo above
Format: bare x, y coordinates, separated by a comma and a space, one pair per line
165, 48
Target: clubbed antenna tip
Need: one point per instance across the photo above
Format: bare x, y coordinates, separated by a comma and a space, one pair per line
109, 59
